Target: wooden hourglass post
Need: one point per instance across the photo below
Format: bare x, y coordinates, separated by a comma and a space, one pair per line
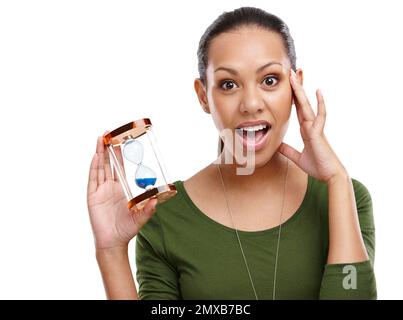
119, 172
157, 153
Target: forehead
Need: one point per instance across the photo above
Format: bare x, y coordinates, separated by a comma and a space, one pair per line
247, 47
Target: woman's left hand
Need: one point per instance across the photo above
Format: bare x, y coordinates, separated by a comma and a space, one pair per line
317, 158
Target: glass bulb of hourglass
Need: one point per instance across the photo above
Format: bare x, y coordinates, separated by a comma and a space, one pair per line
145, 177
133, 151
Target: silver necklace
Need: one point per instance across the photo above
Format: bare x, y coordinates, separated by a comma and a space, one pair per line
239, 240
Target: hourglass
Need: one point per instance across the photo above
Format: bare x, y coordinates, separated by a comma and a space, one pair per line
138, 164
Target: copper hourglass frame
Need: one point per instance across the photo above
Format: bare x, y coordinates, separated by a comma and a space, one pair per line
116, 138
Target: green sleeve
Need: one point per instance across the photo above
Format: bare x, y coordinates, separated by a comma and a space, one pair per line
156, 276
354, 280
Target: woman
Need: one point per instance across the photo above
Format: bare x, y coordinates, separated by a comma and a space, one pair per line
296, 226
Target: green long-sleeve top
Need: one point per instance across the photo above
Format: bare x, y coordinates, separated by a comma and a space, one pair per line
181, 253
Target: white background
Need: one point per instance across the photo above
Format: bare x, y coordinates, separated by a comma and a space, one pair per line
69, 70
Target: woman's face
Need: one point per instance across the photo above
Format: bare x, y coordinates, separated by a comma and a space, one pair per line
248, 80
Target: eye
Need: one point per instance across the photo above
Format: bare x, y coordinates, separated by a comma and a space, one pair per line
227, 85
270, 81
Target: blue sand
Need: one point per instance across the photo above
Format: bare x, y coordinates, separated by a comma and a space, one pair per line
144, 182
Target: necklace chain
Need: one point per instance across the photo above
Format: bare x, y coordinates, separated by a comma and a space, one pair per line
239, 240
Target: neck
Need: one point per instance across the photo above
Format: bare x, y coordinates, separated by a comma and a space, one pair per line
270, 173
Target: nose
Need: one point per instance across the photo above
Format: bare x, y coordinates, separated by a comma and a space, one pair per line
251, 101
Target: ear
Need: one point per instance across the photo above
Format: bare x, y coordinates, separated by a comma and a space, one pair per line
201, 94
300, 78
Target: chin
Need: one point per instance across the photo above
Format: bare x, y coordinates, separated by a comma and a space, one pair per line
262, 157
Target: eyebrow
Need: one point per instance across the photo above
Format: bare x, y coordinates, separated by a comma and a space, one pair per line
257, 70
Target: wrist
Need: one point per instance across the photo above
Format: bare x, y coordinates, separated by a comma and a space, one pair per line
341, 176
111, 253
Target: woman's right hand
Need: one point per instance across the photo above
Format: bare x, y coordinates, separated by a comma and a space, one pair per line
113, 224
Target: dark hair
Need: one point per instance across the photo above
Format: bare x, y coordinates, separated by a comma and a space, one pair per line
237, 18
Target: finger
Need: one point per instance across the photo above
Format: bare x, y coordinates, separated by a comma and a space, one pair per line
101, 160
299, 114
289, 152
93, 175
108, 170
301, 101
320, 120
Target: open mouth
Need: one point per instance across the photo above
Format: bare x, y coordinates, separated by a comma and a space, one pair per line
254, 136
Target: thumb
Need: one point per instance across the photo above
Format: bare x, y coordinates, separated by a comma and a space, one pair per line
146, 212
150, 207
289, 152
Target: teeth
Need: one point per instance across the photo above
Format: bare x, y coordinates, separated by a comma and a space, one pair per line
254, 128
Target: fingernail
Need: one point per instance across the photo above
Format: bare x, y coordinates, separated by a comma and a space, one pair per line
320, 93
